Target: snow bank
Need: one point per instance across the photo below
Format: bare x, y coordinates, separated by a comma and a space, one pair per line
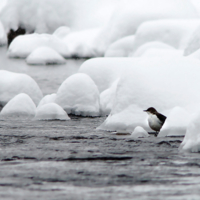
47, 99
45, 56
62, 32
80, 43
23, 45
12, 84
139, 132
131, 13
195, 54
191, 141
79, 95
120, 48
161, 83
176, 123
51, 111
175, 33
3, 38
19, 106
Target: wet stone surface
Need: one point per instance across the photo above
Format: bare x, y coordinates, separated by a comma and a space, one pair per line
73, 160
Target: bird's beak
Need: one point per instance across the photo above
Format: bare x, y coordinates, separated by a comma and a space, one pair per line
144, 110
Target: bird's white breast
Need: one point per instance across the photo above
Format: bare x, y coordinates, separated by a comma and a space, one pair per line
154, 122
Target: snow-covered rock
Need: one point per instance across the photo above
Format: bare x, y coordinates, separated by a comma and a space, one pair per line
107, 98
12, 84
139, 132
61, 32
19, 106
45, 56
51, 111
80, 43
158, 82
151, 45
23, 45
176, 123
79, 95
191, 141
175, 33
131, 13
3, 38
50, 98
121, 48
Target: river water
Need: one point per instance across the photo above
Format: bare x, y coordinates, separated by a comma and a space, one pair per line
72, 160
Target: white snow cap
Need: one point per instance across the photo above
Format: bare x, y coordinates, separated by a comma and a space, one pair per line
139, 132
12, 84
3, 38
23, 45
50, 98
51, 111
19, 106
79, 95
191, 141
62, 32
45, 56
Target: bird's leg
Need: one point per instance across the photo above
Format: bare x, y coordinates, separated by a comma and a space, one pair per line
156, 133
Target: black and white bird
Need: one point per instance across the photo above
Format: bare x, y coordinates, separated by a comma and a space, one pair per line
156, 119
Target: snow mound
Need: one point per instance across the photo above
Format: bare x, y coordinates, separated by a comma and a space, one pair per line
107, 98
61, 32
176, 123
23, 45
3, 38
45, 56
12, 84
175, 33
195, 54
139, 132
47, 99
79, 95
191, 141
120, 48
80, 43
131, 13
51, 111
151, 45
141, 86
19, 106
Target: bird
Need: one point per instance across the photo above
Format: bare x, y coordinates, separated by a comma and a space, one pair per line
155, 120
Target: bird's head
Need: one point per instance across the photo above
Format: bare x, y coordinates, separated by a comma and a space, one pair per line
151, 110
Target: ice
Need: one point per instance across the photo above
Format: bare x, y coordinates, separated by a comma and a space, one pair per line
107, 98
139, 132
120, 48
23, 45
175, 33
176, 122
45, 56
62, 32
3, 38
191, 141
81, 43
12, 84
131, 13
79, 95
19, 106
50, 98
161, 83
51, 111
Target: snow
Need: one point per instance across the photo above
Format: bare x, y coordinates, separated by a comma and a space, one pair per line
130, 14
19, 106
12, 84
120, 48
175, 33
139, 132
62, 32
23, 45
176, 122
79, 95
191, 141
150, 82
51, 111
50, 98
195, 54
45, 56
3, 38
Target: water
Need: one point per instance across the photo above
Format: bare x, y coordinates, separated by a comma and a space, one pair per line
72, 160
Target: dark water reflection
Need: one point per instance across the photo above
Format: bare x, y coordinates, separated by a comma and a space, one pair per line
72, 160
